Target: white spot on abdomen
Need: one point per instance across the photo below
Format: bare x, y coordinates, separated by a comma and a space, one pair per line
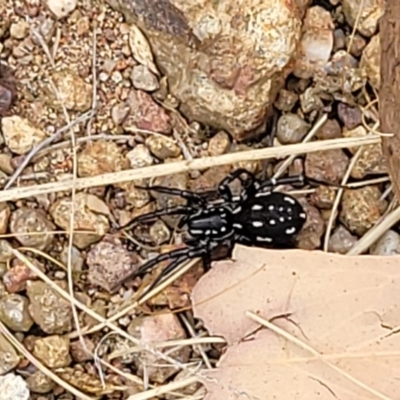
289, 200
257, 207
264, 239
290, 231
257, 224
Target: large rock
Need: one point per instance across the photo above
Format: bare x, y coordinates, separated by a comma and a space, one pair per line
224, 64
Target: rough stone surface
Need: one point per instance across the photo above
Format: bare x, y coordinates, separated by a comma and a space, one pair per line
370, 61
361, 208
20, 135
368, 18
48, 309
109, 263
28, 220
235, 59
13, 387
14, 313
61, 8
9, 358
90, 215
72, 91
53, 351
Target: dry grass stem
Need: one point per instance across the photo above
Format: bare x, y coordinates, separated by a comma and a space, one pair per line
338, 197
182, 166
28, 158
149, 394
307, 139
34, 361
375, 233
195, 341
97, 317
182, 270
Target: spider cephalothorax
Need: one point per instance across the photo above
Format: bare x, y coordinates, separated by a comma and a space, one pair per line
259, 217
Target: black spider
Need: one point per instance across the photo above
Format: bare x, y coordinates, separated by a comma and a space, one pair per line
259, 217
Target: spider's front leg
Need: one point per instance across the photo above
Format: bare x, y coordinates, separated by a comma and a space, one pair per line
192, 197
178, 210
224, 188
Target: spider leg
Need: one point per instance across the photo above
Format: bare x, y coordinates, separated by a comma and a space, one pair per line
207, 261
313, 181
186, 194
202, 250
187, 253
270, 183
178, 210
297, 179
224, 188
170, 268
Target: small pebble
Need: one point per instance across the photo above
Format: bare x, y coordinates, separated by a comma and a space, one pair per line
140, 156
328, 166
119, 112
286, 100
13, 387
341, 241
61, 8
350, 116
144, 79
361, 209
358, 45
219, 144
163, 147
330, 130
19, 30
339, 40
291, 129
387, 245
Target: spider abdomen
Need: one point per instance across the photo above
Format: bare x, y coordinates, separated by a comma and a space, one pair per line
270, 219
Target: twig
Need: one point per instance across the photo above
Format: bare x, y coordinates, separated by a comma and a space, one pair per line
19, 346
338, 197
94, 78
307, 139
45, 143
375, 233
185, 166
99, 318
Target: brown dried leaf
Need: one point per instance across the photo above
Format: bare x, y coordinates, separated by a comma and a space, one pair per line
141, 50
345, 307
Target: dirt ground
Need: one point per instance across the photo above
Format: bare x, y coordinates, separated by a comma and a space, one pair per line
104, 123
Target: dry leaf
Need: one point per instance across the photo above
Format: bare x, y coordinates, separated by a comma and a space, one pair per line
344, 307
141, 49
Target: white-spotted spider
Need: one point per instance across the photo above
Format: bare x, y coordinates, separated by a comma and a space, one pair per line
259, 217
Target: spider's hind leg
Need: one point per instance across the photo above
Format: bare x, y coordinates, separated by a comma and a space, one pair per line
297, 180
178, 210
